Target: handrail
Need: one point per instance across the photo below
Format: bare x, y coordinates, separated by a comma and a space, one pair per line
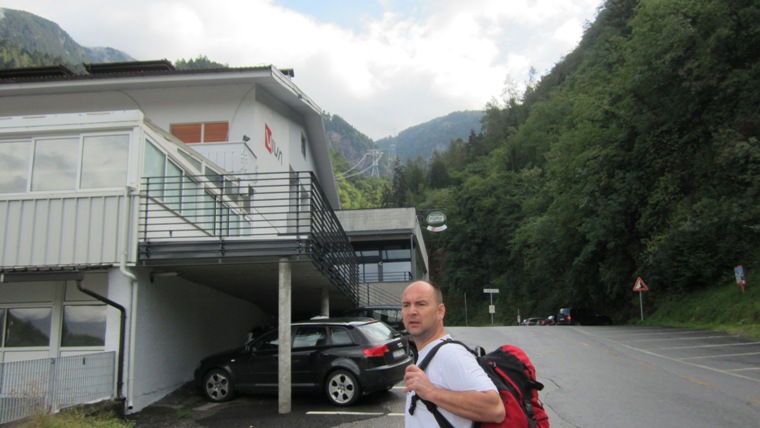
249, 207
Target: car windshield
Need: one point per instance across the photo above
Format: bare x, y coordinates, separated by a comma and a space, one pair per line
377, 332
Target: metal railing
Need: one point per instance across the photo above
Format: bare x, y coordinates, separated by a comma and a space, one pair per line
50, 384
287, 211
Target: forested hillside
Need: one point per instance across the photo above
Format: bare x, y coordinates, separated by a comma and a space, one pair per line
637, 155
433, 135
27, 40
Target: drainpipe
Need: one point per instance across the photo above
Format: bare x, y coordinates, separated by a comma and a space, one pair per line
133, 298
120, 363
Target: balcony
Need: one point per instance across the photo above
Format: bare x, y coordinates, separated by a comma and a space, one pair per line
231, 231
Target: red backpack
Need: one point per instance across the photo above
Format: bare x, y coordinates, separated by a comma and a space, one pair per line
514, 376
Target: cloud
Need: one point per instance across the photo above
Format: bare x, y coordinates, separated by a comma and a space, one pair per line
398, 65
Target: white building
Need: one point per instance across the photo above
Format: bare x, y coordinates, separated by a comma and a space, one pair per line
160, 214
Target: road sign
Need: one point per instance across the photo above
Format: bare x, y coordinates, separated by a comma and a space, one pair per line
491, 290
640, 286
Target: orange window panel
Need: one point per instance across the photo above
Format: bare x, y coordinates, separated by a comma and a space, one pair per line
216, 132
189, 133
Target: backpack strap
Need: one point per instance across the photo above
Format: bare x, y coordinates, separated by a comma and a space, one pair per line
432, 407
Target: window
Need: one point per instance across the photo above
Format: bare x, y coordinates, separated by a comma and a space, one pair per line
84, 325
104, 161
307, 337
303, 144
154, 166
340, 336
64, 163
384, 262
14, 166
55, 164
28, 327
210, 132
270, 341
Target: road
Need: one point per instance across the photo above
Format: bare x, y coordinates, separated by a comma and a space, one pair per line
616, 376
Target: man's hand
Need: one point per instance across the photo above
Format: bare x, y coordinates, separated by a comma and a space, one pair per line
474, 405
416, 380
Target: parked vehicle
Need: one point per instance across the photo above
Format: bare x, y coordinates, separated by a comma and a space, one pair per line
581, 316
389, 314
550, 320
532, 321
342, 358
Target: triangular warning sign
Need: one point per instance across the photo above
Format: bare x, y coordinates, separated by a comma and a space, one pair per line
640, 286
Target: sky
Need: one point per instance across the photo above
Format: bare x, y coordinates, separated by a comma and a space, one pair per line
382, 65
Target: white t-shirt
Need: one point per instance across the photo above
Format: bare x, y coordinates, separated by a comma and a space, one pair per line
454, 368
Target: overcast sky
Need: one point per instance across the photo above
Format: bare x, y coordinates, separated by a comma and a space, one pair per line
382, 65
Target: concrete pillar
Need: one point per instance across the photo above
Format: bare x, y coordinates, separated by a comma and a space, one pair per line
284, 357
325, 301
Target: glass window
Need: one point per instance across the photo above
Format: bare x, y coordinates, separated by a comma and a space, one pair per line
377, 332
173, 186
190, 190
28, 327
269, 341
55, 164
14, 166
155, 162
340, 336
84, 325
308, 337
104, 161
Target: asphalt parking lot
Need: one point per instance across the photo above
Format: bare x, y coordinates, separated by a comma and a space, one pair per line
185, 408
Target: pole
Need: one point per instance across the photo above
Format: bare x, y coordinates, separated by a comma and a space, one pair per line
641, 305
465, 309
491, 294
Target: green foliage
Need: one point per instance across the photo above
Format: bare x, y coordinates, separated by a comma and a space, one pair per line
434, 135
720, 308
201, 62
637, 155
27, 40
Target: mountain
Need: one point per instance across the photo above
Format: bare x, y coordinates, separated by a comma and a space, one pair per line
27, 40
34, 35
435, 135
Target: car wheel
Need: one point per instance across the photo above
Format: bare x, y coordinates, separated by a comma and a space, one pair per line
413, 353
342, 388
217, 386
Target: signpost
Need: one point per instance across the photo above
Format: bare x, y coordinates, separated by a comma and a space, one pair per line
491, 307
640, 286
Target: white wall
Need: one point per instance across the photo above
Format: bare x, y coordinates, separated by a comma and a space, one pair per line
179, 322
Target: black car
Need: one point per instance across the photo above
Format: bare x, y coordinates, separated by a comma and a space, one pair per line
581, 316
389, 314
342, 358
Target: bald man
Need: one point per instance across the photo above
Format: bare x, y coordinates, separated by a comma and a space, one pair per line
453, 380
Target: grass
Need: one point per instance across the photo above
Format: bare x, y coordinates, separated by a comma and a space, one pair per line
95, 416
722, 307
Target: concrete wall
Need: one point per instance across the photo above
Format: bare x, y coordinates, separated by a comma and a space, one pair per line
178, 322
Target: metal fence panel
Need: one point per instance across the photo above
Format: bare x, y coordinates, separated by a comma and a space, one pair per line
50, 384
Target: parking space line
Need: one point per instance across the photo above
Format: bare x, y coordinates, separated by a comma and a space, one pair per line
675, 360
717, 345
345, 413
720, 356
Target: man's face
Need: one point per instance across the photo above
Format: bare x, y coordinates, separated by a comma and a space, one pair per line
422, 314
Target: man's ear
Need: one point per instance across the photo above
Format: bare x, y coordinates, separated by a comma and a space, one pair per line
441, 311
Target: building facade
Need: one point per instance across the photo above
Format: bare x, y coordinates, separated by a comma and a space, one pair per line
161, 214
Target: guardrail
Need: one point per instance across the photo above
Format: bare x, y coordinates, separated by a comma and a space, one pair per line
287, 211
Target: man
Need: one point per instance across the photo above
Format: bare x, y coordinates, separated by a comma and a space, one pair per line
453, 380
